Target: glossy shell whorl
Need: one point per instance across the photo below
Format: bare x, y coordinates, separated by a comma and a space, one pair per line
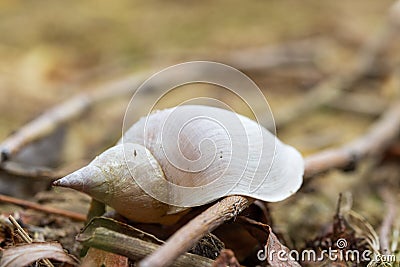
188, 156
217, 152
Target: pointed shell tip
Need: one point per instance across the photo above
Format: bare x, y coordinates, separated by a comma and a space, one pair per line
58, 182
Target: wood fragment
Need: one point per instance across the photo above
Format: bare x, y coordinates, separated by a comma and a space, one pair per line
135, 248
116, 226
49, 210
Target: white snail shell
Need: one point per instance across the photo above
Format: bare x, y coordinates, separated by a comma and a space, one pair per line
187, 156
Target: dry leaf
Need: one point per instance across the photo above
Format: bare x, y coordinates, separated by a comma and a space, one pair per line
26, 254
274, 252
273, 245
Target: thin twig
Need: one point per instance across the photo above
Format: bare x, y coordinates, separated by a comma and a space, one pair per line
24, 235
188, 235
23, 170
50, 210
40, 173
49, 121
22, 232
388, 220
43, 125
375, 141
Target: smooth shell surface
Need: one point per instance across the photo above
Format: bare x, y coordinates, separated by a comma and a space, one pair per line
108, 179
207, 153
188, 156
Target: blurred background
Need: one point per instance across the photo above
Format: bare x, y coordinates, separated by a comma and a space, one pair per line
53, 50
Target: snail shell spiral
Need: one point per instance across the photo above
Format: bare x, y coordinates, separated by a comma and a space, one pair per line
187, 156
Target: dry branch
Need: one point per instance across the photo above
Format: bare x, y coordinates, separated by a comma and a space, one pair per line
43, 125
49, 210
22, 170
49, 121
374, 142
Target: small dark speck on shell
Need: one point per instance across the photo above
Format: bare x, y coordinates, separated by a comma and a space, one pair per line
134, 152
4, 155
